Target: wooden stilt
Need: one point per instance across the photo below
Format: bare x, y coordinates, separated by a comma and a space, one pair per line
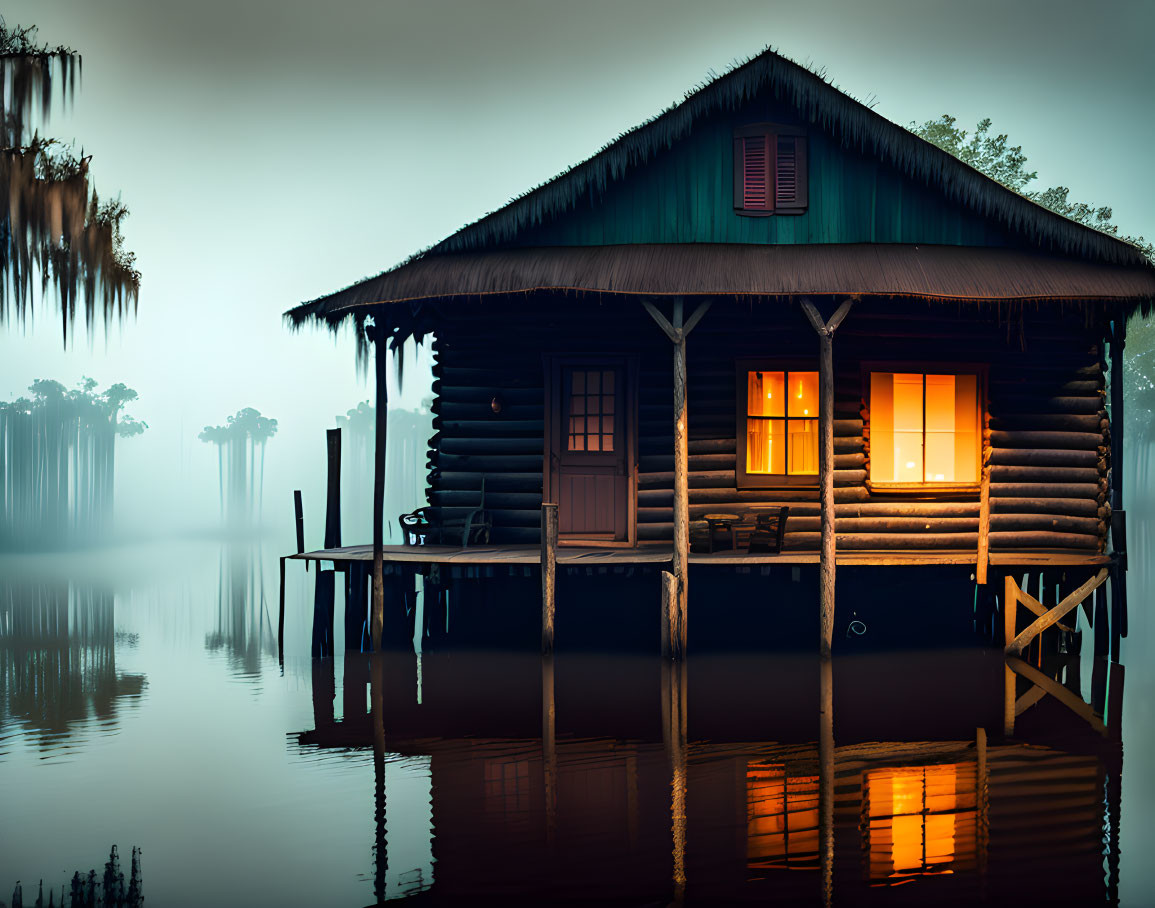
299, 513
377, 614
827, 554
1115, 702
549, 533
356, 606
323, 614
669, 610
1010, 609
677, 331
826, 777
281, 616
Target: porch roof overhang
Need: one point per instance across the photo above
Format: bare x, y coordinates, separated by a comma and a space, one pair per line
947, 273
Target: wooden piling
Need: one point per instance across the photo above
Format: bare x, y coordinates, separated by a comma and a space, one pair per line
356, 606
1010, 609
281, 616
333, 490
323, 614
1115, 702
299, 512
549, 532
377, 613
673, 642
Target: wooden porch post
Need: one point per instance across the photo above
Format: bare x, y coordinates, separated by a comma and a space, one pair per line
377, 616
826, 460
677, 331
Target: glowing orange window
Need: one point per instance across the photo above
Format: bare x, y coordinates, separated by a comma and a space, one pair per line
924, 428
782, 423
922, 821
781, 818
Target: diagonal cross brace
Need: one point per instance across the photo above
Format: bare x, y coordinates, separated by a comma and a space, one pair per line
1053, 616
676, 332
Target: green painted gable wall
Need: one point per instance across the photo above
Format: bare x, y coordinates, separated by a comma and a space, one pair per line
685, 195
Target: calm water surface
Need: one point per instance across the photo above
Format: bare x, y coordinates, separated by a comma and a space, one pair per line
142, 703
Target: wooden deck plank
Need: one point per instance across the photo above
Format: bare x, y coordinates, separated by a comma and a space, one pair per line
574, 556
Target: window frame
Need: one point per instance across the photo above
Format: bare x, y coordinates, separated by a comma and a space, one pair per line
772, 132
746, 480
979, 370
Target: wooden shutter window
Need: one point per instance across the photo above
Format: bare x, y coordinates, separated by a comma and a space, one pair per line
769, 170
753, 188
790, 173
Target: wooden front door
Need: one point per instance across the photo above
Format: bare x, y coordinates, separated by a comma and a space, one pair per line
590, 450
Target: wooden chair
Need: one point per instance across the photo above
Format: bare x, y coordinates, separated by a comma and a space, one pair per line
428, 526
769, 532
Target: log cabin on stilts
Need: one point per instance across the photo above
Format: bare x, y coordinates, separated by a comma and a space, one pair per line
766, 330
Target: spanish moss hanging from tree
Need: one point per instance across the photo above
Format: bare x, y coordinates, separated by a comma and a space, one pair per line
57, 463
54, 230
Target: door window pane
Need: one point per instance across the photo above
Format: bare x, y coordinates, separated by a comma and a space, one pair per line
590, 417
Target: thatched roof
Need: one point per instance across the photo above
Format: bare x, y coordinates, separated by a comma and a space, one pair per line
433, 273
927, 272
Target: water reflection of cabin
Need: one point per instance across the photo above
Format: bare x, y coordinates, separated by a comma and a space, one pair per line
570, 792
969, 422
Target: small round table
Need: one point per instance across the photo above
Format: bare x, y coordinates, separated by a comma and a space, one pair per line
721, 523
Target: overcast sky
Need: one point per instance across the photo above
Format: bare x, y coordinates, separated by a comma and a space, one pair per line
271, 152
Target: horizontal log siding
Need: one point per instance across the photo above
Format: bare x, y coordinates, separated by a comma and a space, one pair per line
1047, 444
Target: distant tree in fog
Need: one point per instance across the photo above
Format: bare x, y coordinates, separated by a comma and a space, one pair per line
241, 492
54, 230
57, 462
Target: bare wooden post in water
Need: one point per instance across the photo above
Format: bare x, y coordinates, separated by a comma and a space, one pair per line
333, 490
299, 512
826, 461
549, 529
377, 614
677, 331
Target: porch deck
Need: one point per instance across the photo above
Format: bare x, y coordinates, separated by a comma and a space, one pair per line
581, 556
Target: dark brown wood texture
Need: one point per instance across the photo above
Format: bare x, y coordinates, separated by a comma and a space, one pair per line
1048, 480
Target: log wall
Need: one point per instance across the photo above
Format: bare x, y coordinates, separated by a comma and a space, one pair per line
1046, 437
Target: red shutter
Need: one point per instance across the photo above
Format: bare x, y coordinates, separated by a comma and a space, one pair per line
790, 173
753, 189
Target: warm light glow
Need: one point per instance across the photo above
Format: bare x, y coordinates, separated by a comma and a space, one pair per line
778, 442
924, 427
922, 820
781, 818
